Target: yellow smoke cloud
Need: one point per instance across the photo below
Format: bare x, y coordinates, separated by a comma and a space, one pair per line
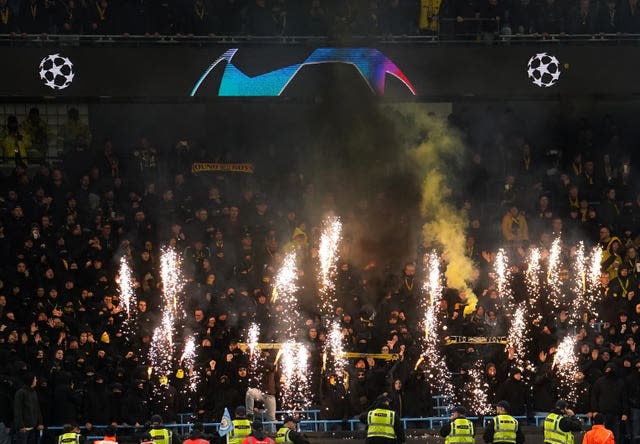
445, 225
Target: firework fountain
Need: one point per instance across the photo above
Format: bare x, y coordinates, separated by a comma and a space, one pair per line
188, 360
292, 356
127, 292
503, 277
328, 258
553, 274
335, 349
437, 372
480, 401
565, 363
162, 349
532, 278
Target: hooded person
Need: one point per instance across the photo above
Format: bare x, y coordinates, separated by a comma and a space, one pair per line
26, 409
514, 392
257, 435
383, 425
598, 434
287, 434
109, 436
459, 429
65, 400
560, 424
97, 401
611, 258
197, 435
609, 397
241, 426
159, 433
623, 287
504, 428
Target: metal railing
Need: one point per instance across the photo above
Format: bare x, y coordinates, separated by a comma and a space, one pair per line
319, 425
145, 40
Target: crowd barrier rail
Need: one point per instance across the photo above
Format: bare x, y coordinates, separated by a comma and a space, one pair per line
315, 424
145, 40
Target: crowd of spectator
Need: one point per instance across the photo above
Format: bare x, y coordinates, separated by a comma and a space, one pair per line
68, 356
467, 19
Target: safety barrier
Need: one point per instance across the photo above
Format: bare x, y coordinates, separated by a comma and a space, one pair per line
316, 425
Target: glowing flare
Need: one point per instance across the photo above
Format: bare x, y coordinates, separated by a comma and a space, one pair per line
294, 388
285, 287
433, 285
479, 401
579, 284
161, 350
517, 335
127, 292
328, 257
503, 277
553, 274
595, 261
336, 348
171, 282
188, 360
566, 364
532, 277
253, 337
436, 369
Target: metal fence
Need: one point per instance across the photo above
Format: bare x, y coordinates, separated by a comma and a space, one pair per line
442, 38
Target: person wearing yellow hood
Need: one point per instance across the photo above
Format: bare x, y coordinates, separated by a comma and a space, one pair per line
299, 243
611, 258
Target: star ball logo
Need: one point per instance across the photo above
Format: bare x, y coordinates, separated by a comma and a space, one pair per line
543, 70
56, 71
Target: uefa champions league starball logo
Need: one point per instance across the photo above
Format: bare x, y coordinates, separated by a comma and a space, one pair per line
543, 70
56, 71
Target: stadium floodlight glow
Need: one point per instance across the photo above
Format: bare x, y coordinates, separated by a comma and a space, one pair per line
372, 65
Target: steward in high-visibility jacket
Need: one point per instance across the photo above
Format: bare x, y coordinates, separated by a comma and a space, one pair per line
241, 426
504, 428
287, 434
560, 423
159, 434
460, 429
383, 425
70, 435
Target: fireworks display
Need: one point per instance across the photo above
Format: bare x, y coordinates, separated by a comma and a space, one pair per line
328, 257
253, 337
335, 348
171, 282
595, 259
161, 351
543, 288
480, 404
503, 275
517, 332
294, 362
127, 292
565, 363
188, 360
553, 274
436, 369
532, 277
579, 287
285, 290
432, 287
293, 356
